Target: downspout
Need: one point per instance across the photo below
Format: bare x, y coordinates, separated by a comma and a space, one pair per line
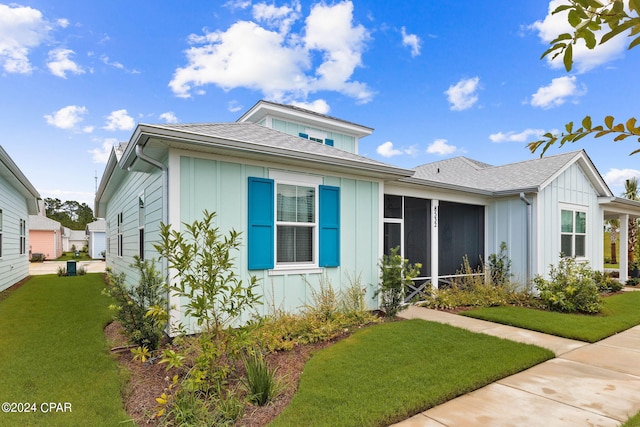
165, 198
528, 237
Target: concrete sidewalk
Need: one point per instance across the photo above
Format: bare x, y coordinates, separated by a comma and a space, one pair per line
585, 385
51, 267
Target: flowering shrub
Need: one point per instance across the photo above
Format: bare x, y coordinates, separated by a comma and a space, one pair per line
571, 288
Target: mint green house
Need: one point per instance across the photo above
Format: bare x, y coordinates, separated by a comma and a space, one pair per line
307, 205
18, 200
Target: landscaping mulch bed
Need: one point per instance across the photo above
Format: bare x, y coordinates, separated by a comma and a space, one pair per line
148, 381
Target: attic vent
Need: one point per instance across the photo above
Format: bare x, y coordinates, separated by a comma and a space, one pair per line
438, 170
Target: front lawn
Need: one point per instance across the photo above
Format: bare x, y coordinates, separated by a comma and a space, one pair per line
53, 350
620, 312
389, 372
71, 256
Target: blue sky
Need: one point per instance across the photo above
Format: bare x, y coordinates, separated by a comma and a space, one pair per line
434, 79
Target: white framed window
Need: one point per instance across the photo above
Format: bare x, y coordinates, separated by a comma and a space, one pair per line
23, 237
141, 216
296, 220
119, 233
573, 232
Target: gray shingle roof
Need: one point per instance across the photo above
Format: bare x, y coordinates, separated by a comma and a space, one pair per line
264, 137
41, 222
526, 175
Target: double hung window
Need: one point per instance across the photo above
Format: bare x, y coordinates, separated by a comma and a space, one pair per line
573, 233
295, 224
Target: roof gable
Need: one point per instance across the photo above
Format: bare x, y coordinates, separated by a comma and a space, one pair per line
10, 171
527, 176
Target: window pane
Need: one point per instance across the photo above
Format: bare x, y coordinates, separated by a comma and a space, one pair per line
391, 236
392, 206
286, 203
567, 222
580, 246
581, 222
566, 245
296, 204
295, 244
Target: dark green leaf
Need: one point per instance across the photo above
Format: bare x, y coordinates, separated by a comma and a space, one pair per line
568, 57
589, 38
552, 48
574, 18
561, 8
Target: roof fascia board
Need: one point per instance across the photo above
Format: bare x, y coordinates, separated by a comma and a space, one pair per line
146, 132
267, 109
27, 188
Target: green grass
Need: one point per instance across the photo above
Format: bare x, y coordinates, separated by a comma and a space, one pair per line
633, 421
620, 312
53, 349
389, 372
70, 256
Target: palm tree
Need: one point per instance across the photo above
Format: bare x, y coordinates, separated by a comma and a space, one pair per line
614, 226
632, 192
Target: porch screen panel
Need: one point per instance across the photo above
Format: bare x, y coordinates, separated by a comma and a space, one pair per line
392, 236
417, 233
460, 233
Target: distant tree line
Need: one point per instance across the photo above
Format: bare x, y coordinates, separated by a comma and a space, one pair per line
70, 213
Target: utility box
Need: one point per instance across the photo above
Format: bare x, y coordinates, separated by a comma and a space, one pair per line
71, 268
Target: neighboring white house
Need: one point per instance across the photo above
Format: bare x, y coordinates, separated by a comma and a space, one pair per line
18, 200
96, 238
308, 206
73, 238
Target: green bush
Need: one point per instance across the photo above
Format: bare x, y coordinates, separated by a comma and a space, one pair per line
571, 288
633, 281
395, 275
132, 304
499, 266
606, 283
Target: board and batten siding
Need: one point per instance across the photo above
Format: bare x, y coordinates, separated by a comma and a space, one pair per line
13, 265
221, 186
126, 201
507, 222
573, 190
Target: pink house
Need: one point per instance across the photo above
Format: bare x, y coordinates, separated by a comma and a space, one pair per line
45, 236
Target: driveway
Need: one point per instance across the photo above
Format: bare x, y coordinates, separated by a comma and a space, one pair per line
51, 267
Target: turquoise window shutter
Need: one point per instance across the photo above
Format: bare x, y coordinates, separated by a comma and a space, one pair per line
328, 141
329, 226
261, 223
303, 135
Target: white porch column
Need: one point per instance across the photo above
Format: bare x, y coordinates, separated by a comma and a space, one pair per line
435, 204
624, 248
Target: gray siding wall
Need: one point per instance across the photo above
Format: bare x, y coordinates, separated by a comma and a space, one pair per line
13, 266
507, 222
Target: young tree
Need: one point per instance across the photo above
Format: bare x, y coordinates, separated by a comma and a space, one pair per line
614, 225
632, 192
588, 17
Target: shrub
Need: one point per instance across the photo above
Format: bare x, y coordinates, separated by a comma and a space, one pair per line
133, 304
606, 283
499, 266
37, 257
571, 288
62, 271
395, 274
633, 281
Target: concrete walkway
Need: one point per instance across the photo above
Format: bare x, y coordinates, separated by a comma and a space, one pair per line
585, 385
51, 267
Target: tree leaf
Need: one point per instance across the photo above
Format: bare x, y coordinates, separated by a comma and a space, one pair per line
621, 137
608, 121
569, 127
586, 122
616, 30
589, 38
568, 57
574, 18
631, 125
634, 43
595, 4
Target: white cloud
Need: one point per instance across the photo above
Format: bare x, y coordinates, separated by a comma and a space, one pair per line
119, 120
463, 94
412, 41
21, 30
101, 155
169, 117
67, 117
319, 106
512, 136
617, 177
237, 4
441, 148
584, 59
279, 64
387, 150
60, 63
277, 17
234, 106
118, 65
557, 92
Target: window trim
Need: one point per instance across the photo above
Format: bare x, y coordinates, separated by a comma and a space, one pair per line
141, 224
1, 233
299, 180
119, 234
23, 236
574, 209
